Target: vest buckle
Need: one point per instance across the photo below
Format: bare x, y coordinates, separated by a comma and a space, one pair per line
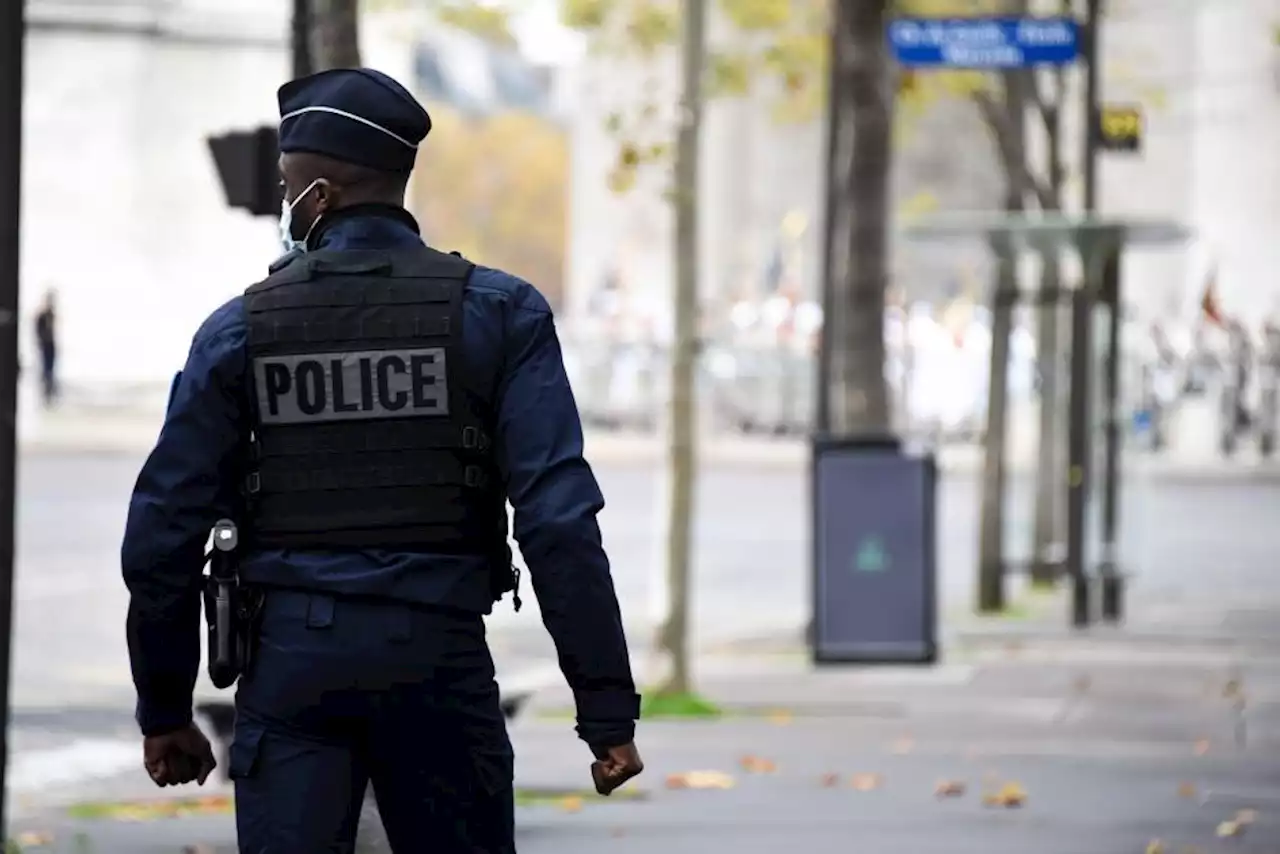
474, 476
470, 438
253, 483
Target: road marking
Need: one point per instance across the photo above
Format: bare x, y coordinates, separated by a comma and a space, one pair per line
81, 760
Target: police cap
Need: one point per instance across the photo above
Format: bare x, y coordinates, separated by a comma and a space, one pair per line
356, 115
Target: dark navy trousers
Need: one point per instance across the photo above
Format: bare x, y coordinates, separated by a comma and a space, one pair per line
346, 693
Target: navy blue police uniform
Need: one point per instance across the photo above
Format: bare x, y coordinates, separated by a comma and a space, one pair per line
365, 412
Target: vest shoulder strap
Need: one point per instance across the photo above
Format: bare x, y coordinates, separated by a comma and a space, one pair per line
421, 262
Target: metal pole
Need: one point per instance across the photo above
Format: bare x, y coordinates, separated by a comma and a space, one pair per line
1092, 23
1112, 582
300, 38
12, 24
1078, 450
1078, 438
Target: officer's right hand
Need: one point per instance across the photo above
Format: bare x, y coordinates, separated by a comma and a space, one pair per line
178, 757
615, 766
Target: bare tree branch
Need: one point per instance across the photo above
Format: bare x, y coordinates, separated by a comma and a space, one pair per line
1016, 169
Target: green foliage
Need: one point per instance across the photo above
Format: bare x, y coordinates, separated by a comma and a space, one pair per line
757, 15
491, 23
651, 25
657, 706
731, 75
782, 48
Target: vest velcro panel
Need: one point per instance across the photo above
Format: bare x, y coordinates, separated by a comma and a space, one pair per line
367, 433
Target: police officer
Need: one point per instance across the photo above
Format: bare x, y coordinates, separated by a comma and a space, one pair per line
364, 413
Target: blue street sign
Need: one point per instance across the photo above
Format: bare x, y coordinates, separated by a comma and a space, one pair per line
984, 43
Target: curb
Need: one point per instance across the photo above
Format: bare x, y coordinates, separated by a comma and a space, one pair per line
137, 437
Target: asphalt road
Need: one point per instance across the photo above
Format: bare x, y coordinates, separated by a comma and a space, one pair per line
71, 668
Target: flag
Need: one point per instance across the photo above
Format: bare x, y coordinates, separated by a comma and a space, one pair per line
1209, 307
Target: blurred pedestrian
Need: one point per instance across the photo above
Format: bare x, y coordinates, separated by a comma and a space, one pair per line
47, 344
366, 412
1241, 360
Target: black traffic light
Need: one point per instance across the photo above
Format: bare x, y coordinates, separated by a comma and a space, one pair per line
247, 165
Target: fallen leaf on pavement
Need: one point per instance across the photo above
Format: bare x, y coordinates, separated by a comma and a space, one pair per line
1155, 846
197, 849
33, 839
573, 803
865, 782
1246, 816
756, 765
830, 781
1186, 790
1202, 747
1010, 796
949, 789
1231, 689
618, 831
700, 780
1190, 849
903, 745
1082, 683
1229, 828
780, 717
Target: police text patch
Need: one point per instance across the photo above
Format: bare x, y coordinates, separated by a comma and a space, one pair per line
319, 387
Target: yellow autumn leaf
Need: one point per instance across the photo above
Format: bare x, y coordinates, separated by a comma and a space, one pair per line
1246, 817
1010, 796
1228, 829
756, 765
865, 782
780, 717
32, 839
1155, 846
1186, 790
572, 803
700, 780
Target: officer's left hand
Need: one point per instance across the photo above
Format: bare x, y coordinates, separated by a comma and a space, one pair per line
615, 766
178, 757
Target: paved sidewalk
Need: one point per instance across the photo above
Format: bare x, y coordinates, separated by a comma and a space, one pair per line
1113, 741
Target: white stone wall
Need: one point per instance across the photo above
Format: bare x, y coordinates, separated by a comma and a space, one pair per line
122, 209
1232, 113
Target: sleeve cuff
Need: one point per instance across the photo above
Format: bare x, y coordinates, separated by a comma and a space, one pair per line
607, 706
155, 719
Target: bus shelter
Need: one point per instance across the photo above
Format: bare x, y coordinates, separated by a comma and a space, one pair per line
1095, 302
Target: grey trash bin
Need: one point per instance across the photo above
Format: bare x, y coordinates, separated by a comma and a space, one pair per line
874, 553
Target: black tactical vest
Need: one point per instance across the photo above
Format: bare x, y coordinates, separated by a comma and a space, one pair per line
367, 433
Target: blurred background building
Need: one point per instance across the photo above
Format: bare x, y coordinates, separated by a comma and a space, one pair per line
122, 205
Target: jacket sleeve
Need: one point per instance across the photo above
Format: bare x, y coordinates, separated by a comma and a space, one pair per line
187, 483
556, 500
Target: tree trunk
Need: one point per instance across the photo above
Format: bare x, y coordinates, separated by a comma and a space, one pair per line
673, 637
858, 219
991, 535
335, 34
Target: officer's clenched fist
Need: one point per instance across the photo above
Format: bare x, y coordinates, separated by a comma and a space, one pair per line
615, 766
178, 757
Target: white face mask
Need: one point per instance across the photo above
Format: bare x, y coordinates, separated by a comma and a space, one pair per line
286, 220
